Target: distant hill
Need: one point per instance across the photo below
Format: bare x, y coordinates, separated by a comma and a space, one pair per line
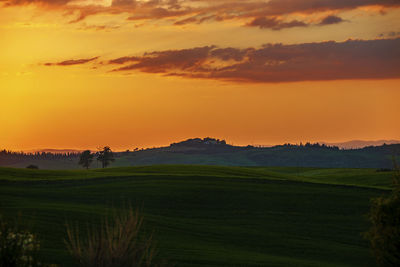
210, 151
362, 143
54, 151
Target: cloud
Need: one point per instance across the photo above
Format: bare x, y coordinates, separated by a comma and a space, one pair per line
123, 60
275, 24
198, 11
99, 27
352, 59
390, 34
158, 13
264, 14
36, 2
161, 62
124, 3
71, 62
186, 21
280, 7
331, 20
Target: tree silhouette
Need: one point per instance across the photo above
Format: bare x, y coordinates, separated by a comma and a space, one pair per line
86, 159
105, 156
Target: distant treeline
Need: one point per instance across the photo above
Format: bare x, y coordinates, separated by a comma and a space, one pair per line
199, 141
12, 155
210, 151
309, 145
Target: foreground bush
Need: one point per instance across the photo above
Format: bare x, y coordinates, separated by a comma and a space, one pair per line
117, 243
384, 234
17, 248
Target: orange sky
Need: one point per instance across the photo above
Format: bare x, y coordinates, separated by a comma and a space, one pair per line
84, 74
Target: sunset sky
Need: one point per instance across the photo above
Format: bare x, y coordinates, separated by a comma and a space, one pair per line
125, 73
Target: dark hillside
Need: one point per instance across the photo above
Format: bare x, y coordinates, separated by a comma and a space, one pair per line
209, 215
209, 151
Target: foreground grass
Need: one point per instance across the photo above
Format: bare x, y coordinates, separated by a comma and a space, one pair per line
209, 215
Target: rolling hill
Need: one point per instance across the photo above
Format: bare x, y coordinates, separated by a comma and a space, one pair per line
209, 151
209, 215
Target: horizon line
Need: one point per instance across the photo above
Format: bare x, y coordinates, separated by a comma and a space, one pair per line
335, 143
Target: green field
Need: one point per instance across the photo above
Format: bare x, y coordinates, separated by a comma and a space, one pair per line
209, 215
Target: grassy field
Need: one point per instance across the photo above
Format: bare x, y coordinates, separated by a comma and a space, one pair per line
209, 215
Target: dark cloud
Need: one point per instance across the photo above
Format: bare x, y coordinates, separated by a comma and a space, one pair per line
124, 3
280, 7
71, 62
390, 34
158, 13
259, 12
123, 60
353, 59
229, 53
160, 62
331, 20
275, 24
37, 2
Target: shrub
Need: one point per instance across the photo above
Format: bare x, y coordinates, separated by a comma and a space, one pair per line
17, 248
384, 233
118, 242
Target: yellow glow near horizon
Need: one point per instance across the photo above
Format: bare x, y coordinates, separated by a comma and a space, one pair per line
68, 112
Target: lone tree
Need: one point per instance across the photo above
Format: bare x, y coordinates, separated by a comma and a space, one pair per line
384, 234
86, 159
105, 156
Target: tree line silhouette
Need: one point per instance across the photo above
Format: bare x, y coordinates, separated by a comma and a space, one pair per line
105, 156
8, 157
217, 151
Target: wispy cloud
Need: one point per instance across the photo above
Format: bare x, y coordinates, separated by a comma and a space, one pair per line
71, 62
99, 27
275, 24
